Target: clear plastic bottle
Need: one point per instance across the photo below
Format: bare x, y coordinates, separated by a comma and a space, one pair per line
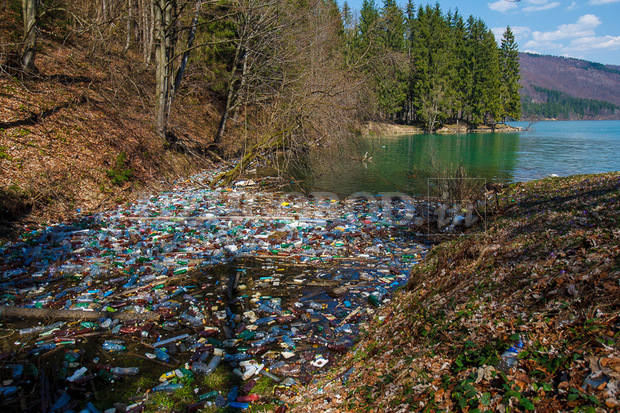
111, 346
215, 361
125, 371
167, 386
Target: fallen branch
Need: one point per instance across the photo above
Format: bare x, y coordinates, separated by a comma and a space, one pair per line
52, 314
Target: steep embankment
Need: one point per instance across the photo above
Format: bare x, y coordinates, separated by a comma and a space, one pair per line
77, 136
547, 271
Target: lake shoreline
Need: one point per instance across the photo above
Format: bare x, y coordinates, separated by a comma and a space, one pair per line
542, 280
383, 129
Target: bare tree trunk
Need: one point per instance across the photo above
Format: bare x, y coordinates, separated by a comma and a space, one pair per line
29, 8
129, 24
104, 10
190, 42
229, 95
163, 18
150, 38
146, 23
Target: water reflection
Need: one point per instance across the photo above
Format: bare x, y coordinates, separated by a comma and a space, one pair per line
405, 163
386, 164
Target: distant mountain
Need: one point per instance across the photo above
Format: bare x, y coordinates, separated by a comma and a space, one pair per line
580, 83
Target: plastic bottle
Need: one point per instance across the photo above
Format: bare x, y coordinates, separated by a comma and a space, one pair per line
237, 405
7, 391
113, 346
167, 386
30, 330
169, 375
78, 373
249, 398
125, 371
208, 396
288, 341
162, 355
510, 357
215, 361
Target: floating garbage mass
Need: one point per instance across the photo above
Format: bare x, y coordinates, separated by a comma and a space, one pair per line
154, 297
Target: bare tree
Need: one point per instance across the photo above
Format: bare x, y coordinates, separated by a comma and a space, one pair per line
169, 67
291, 77
256, 27
30, 10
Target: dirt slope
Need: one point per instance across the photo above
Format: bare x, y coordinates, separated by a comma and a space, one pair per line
77, 136
547, 272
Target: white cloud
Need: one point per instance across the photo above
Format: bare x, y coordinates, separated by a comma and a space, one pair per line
583, 28
599, 2
520, 30
572, 6
541, 7
502, 6
575, 40
595, 43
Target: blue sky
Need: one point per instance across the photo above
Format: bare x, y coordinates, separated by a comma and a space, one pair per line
584, 29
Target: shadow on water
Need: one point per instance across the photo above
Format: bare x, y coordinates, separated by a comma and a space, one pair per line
319, 305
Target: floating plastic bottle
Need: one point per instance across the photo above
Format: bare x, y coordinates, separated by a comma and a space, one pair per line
125, 371
114, 347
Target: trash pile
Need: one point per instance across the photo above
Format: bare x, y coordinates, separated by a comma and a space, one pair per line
164, 295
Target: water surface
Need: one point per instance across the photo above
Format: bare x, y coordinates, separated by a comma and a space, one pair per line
405, 163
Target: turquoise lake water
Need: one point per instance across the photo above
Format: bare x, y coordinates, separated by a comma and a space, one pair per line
403, 163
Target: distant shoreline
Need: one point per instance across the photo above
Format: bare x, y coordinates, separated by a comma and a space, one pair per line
392, 129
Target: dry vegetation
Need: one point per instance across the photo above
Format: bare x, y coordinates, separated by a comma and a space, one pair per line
77, 136
547, 271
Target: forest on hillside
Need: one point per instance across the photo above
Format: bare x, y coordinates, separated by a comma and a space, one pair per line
561, 106
108, 92
288, 58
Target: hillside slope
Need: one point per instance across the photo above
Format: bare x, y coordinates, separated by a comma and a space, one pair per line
547, 273
77, 136
577, 78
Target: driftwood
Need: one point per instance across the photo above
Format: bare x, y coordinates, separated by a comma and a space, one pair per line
52, 314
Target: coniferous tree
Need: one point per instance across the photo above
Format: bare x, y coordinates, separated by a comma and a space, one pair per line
432, 66
392, 68
483, 61
367, 34
509, 69
462, 72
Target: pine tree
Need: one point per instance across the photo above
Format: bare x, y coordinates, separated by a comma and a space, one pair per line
391, 69
393, 26
483, 86
509, 69
432, 71
367, 34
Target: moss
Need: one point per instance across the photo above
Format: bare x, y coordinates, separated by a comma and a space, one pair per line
120, 173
